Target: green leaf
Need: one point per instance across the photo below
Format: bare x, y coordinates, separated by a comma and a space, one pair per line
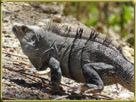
128, 13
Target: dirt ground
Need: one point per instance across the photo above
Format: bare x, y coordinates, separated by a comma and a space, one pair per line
19, 81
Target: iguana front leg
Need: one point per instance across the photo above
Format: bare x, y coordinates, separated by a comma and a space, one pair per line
56, 74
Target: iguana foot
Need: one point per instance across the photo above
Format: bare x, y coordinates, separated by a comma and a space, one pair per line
56, 89
85, 89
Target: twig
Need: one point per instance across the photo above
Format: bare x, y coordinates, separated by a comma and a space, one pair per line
61, 97
17, 55
30, 78
11, 61
8, 98
104, 96
21, 72
107, 97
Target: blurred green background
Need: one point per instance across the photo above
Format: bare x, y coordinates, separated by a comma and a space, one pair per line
104, 16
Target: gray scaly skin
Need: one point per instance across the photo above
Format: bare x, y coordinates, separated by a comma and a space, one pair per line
93, 61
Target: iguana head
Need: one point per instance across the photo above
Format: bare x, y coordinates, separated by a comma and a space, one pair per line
28, 38
33, 45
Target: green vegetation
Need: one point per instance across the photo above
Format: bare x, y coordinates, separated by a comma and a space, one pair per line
105, 17
115, 16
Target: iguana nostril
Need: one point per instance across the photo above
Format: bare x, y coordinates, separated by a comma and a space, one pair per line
15, 28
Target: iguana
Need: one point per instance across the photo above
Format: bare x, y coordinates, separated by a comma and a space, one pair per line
93, 60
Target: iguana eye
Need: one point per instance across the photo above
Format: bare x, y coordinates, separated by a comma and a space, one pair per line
33, 38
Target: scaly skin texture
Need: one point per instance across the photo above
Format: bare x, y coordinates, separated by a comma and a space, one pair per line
93, 61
